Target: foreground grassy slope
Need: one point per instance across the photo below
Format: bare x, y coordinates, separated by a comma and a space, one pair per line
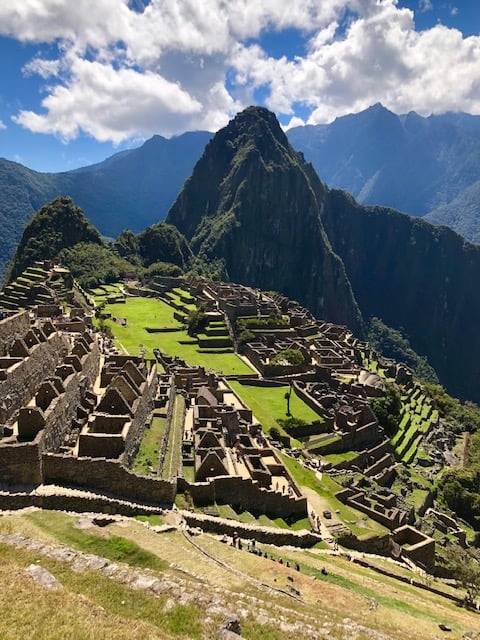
212, 579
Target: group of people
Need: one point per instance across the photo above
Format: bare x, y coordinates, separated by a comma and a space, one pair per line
252, 548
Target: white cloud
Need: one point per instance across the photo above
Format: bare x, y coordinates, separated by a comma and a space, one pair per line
295, 121
2, 125
379, 58
425, 5
129, 69
111, 104
43, 68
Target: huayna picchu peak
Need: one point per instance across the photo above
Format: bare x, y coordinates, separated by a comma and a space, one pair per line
254, 203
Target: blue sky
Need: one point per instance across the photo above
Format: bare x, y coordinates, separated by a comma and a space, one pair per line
80, 81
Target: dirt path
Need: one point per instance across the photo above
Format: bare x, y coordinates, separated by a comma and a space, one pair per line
318, 505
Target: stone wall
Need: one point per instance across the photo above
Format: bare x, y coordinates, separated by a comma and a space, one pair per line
242, 492
20, 463
262, 535
63, 409
107, 476
23, 379
79, 503
308, 399
11, 328
145, 407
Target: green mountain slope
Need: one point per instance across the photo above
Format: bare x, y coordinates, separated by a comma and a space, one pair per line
132, 189
252, 202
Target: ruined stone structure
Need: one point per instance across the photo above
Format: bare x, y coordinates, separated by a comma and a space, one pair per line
70, 414
73, 413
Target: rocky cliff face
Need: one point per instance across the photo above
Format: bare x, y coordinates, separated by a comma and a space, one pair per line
252, 202
415, 276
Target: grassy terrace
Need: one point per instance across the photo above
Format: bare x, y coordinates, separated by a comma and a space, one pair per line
326, 487
418, 418
226, 511
153, 313
147, 456
337, 458
268, 405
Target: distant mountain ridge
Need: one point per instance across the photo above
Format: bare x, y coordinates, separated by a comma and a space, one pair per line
426, 167
132, 189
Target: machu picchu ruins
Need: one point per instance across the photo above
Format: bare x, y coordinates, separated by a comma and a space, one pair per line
75, 413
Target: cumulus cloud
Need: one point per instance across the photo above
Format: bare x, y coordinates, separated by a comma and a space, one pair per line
130, 68
2, 125
111, 104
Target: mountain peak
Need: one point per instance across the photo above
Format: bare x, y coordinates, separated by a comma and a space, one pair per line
254, 203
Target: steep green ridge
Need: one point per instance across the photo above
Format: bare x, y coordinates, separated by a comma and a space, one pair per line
22, 192
58, 225
131, 189
60, 231
417, 277
251, 202
391, 343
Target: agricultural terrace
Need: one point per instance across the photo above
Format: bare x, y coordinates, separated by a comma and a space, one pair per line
143, 313
268, 405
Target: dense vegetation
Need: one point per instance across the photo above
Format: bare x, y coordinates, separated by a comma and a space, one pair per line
93, 264
58, 225
387, 409
460, 485
391, 343
61, 232
163, 243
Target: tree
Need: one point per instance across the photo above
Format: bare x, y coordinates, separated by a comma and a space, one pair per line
387, 409
197, 320
289, 356
287, 398
465, 568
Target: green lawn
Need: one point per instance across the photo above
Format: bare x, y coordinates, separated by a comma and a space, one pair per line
147, 456
154, 313
268, 404
327, 487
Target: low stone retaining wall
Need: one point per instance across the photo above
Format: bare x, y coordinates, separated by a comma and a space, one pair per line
107, 476
246, 493
265, 535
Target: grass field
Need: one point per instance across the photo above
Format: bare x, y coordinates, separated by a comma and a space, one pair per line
92, 606
153, 313
268, 404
